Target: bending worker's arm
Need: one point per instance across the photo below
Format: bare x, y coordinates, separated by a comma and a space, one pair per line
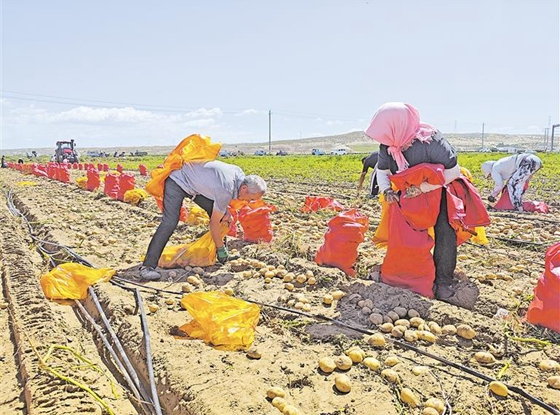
499, 183
449, 174
361, 182
215, 228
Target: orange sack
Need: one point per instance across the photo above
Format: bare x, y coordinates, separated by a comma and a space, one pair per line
316, 203
504, 203
126, 182
340, 249
111, 187
93, 179
544, 310
254, 218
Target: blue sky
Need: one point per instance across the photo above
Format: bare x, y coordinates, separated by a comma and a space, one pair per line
143, 72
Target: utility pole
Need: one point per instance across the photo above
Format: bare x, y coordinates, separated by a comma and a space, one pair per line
269, 131
555, 126
482, 136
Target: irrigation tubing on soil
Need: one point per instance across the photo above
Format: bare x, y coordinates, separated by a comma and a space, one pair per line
120, 281
155, 396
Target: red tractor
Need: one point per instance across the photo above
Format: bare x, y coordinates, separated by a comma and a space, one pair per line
66, 150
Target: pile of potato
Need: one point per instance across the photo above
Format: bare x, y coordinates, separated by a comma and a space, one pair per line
253, 268
278, 399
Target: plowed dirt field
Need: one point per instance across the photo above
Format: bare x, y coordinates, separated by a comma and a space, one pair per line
194, 378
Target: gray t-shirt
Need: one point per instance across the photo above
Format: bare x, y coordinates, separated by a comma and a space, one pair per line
215, 180
437, 151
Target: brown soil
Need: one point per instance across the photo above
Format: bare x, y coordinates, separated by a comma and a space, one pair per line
194, 378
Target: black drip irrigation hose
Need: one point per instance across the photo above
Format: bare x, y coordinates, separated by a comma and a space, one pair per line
155, 397
121, 281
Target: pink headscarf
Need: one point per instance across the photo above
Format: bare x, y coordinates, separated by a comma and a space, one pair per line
397, 125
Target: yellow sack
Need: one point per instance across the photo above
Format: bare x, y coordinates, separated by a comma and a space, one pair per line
225, 322
197, 216
70, 281
194, 147
381, 235
480, 237
81, 182
134, 196
200, 253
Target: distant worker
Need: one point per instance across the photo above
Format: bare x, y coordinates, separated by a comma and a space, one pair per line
4, 164
513, 172
20, 161
370, 162
211, 185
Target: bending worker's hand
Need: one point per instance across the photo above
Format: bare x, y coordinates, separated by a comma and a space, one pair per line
391, 196
222, 254
412, 191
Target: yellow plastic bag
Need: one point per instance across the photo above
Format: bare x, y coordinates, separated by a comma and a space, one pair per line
81, 182
225, 322
70, 281
200, 253
134, 196
197, 216
480, 237
381, 235
194, 147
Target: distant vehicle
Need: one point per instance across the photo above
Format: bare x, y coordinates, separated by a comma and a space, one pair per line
260, 153
94, 154
318, 152
281, 153
140, 153
224, 153
66, 150
341, 151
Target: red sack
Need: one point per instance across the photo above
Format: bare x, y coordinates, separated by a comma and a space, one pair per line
183, 214
126, 182
421, 211
111, 187
340, 249
255, 220
80, 166
315, 203
39, 170
74, 166
99, 166
119, 168
143, 170
105, 167
93, 180
63, 174
544, 310
408, 263
51, 171
528, 206
233, 224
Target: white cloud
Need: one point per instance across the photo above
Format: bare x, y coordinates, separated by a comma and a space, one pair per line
334, 122
250, 111
204, 112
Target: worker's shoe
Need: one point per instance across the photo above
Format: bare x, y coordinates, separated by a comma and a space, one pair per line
149, 274
462, 294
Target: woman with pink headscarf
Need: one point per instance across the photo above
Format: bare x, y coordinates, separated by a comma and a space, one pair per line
405, 142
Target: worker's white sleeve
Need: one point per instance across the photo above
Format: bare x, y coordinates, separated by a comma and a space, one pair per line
499, 183
449, 175
383, 180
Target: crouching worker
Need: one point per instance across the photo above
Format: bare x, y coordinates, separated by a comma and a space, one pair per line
417, 160
370, 162
513, 173
211, 185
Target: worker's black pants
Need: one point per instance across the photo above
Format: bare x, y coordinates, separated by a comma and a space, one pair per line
173, 196
445, 250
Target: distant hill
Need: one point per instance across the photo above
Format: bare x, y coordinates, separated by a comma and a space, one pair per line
356, 140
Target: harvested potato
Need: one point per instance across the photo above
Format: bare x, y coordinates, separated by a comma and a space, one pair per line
549, 365
449, 330
337, 295
153, 308
434, 328
398, 331
499, 388
416, 321
410, 336
393, 316
554, 382
274, 392
390, 375
228, 291
279, 403
429, 411
465, 331
301, 279
484, 357
342, 383
254, 353
327, 299
371, 363
409, 397
426, 335
392, 361
401, 311
289, 286
327, 364
376, 339
420, 370
413, 313
356, 354
387, 327
402, 322
290, 410
343, 362
289, 277
376, 318
311, 281
435, 403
